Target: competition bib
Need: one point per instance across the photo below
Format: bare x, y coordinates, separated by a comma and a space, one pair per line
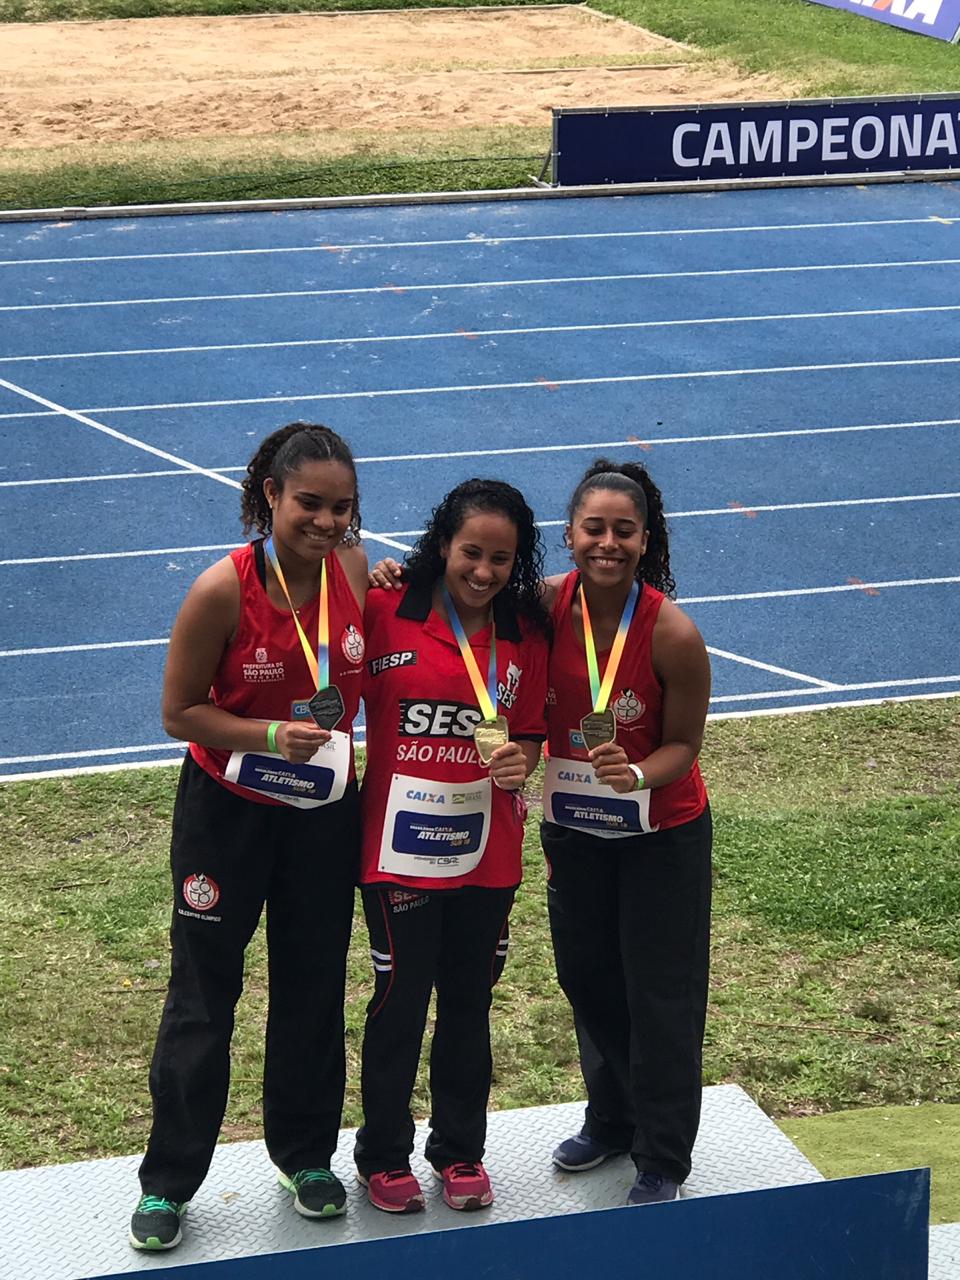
321, 780
434, 829
572, 797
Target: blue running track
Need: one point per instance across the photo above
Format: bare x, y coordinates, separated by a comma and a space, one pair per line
786, 363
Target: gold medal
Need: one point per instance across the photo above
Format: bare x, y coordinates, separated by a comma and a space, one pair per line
598, 727
490, 734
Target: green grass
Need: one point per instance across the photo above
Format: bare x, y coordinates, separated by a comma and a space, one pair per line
836, 966
816, 51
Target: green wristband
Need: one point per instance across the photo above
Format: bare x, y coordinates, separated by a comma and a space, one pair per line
272, 736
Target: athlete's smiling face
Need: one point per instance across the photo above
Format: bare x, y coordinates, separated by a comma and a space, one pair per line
312, 511
607, 537
479, 559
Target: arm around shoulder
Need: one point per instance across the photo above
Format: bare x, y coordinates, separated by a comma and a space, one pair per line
353, 558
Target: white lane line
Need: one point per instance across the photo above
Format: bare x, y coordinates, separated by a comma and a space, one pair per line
744, 510
86, 755
445, 286
543, 383
119, 435
83, 648
468, 241
861, 686
750, 712
647, 442
817, 591
461, 334
390, 539
684, 600
776, 671
187, 466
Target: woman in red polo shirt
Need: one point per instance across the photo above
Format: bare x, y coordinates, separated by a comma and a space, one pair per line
627, 832
454, 692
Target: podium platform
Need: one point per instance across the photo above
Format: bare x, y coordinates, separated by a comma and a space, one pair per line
69, 1222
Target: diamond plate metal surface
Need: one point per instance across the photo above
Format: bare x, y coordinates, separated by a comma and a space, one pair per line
241, 1211
945, 1252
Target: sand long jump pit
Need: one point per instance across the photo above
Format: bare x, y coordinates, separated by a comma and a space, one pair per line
190, 78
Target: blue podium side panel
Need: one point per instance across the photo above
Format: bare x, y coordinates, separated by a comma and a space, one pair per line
872, 1228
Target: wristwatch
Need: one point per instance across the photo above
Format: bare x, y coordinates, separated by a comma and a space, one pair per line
640, 780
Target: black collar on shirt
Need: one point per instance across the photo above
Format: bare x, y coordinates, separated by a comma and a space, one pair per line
418, 602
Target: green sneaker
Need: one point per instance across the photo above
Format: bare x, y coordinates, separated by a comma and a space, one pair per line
156, 1223
318, 1193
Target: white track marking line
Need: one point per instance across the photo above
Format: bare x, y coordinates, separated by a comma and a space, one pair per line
469, 241
776, 671
390, 539
684, 600
188, 467
461, 334
749, 712
818, 591
445, 286
648, 441
860, 686
543, 383
102, 751
745, 510
119, 435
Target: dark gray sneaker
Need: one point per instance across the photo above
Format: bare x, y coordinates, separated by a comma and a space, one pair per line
652, 1188
156, 1223
579, 1153
317, 1193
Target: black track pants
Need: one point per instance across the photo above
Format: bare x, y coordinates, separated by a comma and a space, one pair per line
630, 921
454, 940
302, 865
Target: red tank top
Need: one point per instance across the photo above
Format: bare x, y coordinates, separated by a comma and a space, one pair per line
263, 670
636, 700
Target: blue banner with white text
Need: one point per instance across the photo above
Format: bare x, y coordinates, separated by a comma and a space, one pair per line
756, 140
937, 18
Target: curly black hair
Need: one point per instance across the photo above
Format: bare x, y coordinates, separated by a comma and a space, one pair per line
425, 564
279, 456
631, 478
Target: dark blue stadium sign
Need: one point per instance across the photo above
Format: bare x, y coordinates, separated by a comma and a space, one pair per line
937, 18
793, 139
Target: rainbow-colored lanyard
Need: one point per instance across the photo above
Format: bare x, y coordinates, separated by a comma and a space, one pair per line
319, 666
486, 695
600, 691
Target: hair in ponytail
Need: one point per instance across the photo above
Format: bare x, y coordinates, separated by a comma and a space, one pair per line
633, 479
278, 457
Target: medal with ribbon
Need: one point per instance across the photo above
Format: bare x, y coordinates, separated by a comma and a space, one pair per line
493, 731
326, 706
601, 724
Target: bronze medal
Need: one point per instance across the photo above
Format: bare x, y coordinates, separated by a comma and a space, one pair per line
326, 707
490, 734
598, 727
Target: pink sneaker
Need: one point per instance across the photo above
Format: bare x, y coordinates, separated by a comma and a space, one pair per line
465, 1185
395, 1191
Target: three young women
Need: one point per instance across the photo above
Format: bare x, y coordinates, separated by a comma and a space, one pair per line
263, 680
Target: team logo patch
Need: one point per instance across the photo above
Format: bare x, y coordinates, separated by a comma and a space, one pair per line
551, 697
507, 693
261, 655
387, 661
200, 892
352, 644
628, 707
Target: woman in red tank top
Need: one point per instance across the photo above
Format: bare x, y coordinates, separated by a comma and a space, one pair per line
263, 679
627, 832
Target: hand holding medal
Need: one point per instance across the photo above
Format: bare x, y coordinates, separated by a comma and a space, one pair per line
326, 705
